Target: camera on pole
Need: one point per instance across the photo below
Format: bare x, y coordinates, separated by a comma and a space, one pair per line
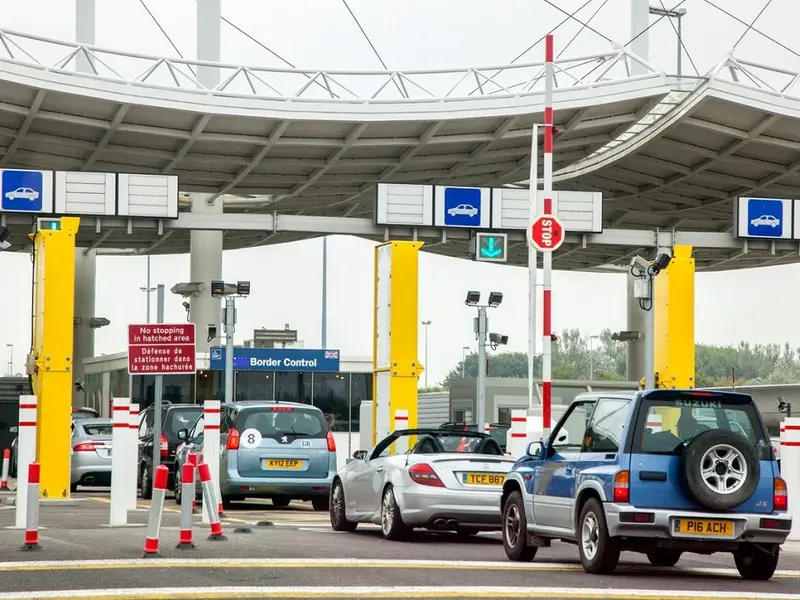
4, 234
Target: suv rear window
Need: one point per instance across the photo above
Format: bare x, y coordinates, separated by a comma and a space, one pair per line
666, 423
275, 422
182, 418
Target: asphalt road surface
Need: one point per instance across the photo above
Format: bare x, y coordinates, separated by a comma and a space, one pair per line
293, 553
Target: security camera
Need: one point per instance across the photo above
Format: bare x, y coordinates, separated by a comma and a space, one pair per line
4, 233
640, 263
660, 263
783, 406
212, 333
80, 386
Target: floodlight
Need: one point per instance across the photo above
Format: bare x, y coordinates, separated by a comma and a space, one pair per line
217, 288
98, 322
186, 289
498, 339
472, 298
243, 288
495, 298
626, 336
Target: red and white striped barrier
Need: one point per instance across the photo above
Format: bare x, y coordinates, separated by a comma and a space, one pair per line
790, 470
401, 422
211, 415
132, 454
654, 423
191, 458
516, 442
210, 503
32, 513
185, 540
6, 467
120, 463
26, 454
156, 510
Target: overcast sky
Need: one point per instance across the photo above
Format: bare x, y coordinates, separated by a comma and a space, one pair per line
411, 34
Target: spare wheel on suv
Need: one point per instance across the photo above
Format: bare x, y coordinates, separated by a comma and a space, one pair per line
721, 469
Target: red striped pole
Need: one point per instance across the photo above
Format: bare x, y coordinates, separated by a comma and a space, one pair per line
156, 510
210, 503
191, 458
6, 466
187, 495
547, 263
32, 514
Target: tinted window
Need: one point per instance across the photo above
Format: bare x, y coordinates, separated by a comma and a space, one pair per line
98, 429
569, 436
283, 420
146, 424
175, 420
607, 427
666, 424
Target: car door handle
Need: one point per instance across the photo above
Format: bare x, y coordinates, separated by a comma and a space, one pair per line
379, 470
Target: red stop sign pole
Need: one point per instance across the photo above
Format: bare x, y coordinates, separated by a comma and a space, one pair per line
546, 233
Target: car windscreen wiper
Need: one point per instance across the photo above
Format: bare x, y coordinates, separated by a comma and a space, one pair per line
294, 433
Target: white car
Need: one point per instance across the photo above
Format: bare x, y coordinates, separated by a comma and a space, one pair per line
765, 220
463, 209
23, 192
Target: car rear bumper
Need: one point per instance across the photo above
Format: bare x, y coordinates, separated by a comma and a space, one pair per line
422, 506
91, 474
765, 528
254, 487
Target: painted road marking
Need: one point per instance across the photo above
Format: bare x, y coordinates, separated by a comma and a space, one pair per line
389, 592
343, 563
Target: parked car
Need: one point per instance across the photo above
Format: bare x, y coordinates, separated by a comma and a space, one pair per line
278, 450
174, 418
450, 480
610, 482
90, 463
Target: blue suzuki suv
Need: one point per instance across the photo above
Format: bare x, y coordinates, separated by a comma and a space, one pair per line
660, 472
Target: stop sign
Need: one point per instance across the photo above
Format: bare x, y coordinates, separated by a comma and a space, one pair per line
546, 233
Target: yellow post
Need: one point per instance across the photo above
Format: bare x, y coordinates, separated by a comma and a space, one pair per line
396, 368
674, 326
54, 308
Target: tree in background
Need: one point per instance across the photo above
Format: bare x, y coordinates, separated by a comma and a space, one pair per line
572, 359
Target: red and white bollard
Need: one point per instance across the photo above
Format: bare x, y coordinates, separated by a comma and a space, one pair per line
32, 512
156, 509
210, 503
185, 541
191, 458
6, 466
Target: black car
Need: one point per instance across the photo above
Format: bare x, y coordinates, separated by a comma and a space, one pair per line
174, 417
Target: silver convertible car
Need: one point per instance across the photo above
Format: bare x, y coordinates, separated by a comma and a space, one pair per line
447, 480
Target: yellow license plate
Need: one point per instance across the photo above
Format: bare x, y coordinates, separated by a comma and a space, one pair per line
703, 527
483, 479
283, 463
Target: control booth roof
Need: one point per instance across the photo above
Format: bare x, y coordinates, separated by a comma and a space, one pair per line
666, 153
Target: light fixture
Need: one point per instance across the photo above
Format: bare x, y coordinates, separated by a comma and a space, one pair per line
495, 299
473, 298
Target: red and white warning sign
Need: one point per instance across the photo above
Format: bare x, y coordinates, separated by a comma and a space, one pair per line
161, 349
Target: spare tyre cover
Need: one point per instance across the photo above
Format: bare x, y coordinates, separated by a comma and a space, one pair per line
721, 469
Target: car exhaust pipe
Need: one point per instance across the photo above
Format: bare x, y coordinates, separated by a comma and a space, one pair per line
452, 524
88, 480
440, 523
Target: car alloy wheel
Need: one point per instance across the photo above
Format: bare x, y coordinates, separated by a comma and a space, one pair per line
513, 525
723, 469
590, 532
387, 512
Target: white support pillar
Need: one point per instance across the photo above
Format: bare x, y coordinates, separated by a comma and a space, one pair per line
83, 336
26, 454
209, 40
790, 471
205, 266
120, 416
516, 443
85, 15
211, 420
640, 21
636, 322
534, 427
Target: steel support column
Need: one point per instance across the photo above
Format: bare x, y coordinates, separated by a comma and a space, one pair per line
85, 17
209, 40
640, 46
83, 335
396, 368
205, 265
634, 370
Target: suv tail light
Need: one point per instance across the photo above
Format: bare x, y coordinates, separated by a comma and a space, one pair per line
86, 447
780, 496
164, 446
622, 487
331, 442
233, 439
424, 474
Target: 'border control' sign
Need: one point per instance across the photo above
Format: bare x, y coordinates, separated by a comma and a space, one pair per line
161, 349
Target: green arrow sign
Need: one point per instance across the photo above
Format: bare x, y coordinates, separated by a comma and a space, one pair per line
491, 247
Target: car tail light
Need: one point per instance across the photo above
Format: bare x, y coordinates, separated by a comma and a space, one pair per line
704, 394
164, 445
282, 408
331, 442
780, 496
233, 439
424, 474
622, 487
86, 447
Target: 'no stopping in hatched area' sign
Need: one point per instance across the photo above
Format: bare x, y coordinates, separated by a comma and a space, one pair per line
161, 349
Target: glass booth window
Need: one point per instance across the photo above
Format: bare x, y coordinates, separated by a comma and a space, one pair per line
254, 385
504, 415
332, 397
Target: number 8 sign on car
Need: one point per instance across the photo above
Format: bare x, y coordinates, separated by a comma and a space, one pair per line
546, 233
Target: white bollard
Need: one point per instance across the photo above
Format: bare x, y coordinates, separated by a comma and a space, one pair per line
132, 453
790, 471
120, 463
401, 422
26, 454
534, 427
517, 434
211, 414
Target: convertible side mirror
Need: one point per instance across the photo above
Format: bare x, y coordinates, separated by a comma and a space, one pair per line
13, 429
360, 454
536, 449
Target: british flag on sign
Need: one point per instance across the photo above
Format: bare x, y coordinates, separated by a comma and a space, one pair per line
331, 354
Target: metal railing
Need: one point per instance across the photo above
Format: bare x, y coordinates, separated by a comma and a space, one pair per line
362, 86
